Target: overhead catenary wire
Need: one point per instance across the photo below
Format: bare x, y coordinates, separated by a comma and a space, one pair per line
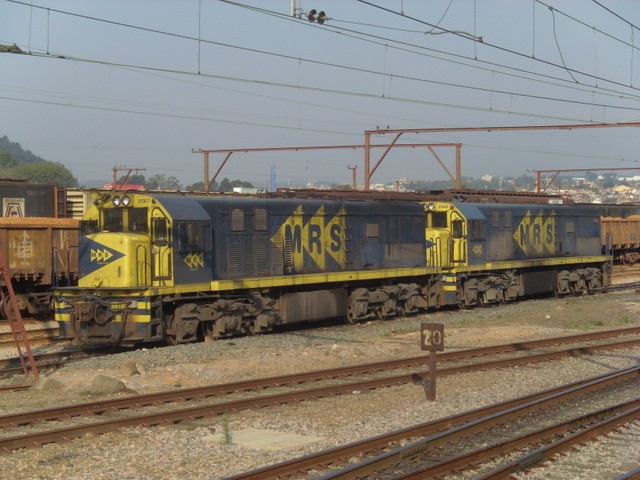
502, 48
142, 68
590, 27
615, 14
355, 69
297, 59
404, 46
317, 89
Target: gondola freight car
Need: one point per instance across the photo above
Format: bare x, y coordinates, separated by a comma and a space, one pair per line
41, 254
622, 237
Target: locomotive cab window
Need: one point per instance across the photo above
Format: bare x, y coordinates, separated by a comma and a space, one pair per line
191, 237
438, 219
113, 219
137, 221
87, 227
160, 231
478, 230
456, 229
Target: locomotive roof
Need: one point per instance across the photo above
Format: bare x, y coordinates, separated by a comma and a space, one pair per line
478, 210
185, 207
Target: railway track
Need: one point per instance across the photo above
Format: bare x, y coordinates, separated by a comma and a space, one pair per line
40, 335
532, 428
26, 429
437, 445
10, 366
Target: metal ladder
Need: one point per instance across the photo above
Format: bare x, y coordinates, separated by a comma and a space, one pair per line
12, 314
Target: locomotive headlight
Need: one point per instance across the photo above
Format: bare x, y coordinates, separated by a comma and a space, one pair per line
116, 201
126, 201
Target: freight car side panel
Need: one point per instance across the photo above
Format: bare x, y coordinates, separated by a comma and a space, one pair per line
625, 232
29, 200
40, 251
621, 238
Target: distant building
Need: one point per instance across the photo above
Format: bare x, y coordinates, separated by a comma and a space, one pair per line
247, 190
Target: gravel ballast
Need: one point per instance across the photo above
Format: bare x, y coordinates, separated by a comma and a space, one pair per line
197, 449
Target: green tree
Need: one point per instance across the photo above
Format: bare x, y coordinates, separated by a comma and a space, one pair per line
227, 185
524, 183
46, 172
162, 182
195, 187
6, 159
135, 179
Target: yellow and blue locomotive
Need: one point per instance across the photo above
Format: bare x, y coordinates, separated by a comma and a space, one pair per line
182, 268
495, 252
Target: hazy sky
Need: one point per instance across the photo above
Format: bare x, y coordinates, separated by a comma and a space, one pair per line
142, 83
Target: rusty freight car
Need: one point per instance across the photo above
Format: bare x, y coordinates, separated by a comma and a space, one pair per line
622, 235
41, 254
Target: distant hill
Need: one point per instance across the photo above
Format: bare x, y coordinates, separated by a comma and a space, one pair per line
17, 163
16, 152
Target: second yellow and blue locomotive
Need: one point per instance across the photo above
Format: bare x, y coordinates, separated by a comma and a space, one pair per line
183, 268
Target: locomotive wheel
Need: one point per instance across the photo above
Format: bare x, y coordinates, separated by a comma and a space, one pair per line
251, 329
480, 300
3, 312
352, 317
170, 332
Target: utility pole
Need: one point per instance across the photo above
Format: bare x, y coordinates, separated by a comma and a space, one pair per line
354, 171
124, 180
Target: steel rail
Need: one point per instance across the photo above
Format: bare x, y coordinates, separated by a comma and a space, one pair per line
59, 358
380, 462
630, 475
564, 444
337, 454
46, 360
50, 360
258, 385
40, 336
37, 439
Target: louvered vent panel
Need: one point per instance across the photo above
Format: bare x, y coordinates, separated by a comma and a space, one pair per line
234, 256
261, 255
249, 256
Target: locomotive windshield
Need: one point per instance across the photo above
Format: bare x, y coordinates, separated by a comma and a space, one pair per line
125, 220
438, 219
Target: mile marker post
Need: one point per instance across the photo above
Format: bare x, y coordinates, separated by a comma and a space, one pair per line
432, 339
